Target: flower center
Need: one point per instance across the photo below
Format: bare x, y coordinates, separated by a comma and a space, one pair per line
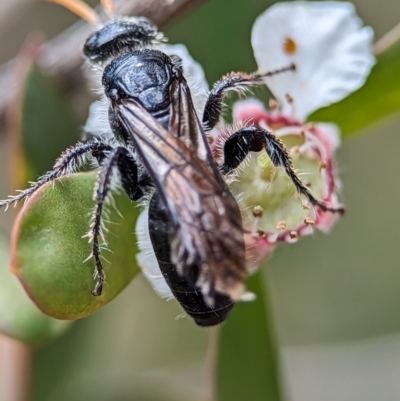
289, 46
269, 188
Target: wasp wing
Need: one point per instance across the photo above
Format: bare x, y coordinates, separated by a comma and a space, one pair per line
206, 219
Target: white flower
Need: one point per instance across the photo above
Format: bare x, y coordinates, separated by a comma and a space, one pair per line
326, 42
332, 54
146, 258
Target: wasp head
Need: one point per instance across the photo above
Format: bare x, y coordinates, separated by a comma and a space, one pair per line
119, 37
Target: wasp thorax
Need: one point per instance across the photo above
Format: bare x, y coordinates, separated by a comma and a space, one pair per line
144, 76
120, 37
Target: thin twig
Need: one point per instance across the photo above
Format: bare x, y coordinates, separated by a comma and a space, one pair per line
211, 362
15, 374
387, 40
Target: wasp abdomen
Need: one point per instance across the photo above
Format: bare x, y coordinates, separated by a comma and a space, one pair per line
183, 288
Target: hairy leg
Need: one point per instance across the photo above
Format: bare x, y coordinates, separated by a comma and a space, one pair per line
235, 81
255, 139
119, 159
66, 164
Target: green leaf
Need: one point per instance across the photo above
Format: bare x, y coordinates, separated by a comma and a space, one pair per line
48, 125
48, 251
379, 98
19, 317
247, 366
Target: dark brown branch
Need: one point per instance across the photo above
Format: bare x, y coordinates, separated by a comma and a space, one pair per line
63, 55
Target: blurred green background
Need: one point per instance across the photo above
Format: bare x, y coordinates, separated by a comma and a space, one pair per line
335, 299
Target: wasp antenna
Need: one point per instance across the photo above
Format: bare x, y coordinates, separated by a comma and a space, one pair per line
79, 8
291, 67
108, 6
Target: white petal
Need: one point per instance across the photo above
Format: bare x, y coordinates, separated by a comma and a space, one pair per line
332, 52
146, 258
97, 125
193, 73
329, 135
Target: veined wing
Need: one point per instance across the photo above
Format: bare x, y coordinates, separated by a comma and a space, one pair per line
206, 218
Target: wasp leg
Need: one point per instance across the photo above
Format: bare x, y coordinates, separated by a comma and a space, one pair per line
67, 163
122, 160
235, 81
255, 139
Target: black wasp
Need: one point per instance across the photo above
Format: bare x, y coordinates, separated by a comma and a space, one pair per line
160, 151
